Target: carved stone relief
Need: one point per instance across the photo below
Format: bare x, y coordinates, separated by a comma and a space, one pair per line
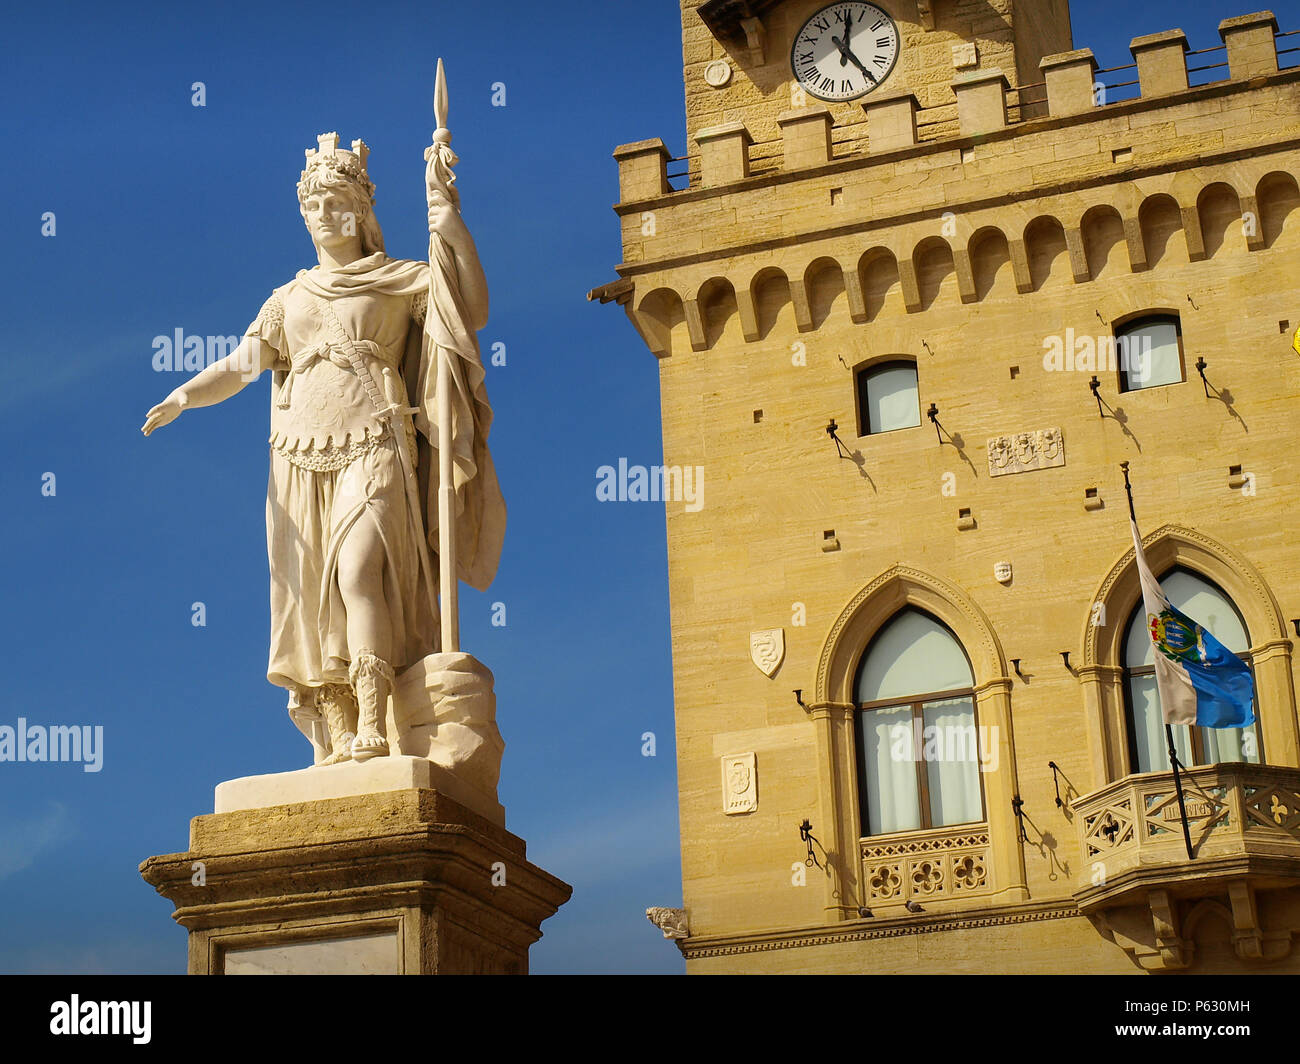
1026, 451
739, 784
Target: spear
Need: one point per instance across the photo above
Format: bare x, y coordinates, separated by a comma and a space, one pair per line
438, 179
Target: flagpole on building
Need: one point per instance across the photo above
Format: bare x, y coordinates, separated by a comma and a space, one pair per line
1169, 728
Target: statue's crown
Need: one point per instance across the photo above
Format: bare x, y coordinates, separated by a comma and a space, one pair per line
352, 164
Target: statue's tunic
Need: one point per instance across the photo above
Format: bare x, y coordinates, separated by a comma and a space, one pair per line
335, 465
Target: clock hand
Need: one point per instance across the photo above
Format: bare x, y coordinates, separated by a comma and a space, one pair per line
847, 56
848, 29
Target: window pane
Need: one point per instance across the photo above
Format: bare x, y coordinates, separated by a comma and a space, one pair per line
887, 763
1208, 606
1229, 744
913, 655
952, 762
1149, 729
891, 399
1202, 602
1149, 354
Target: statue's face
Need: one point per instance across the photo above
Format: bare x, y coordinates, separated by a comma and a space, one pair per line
332, 217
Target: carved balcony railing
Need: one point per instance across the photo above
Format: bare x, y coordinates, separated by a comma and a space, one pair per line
1244, 821
937, 865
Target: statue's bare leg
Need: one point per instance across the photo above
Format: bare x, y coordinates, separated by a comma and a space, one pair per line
361, 570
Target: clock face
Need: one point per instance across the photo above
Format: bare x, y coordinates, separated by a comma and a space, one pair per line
844, 51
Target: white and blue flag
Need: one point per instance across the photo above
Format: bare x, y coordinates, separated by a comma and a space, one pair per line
1200, 680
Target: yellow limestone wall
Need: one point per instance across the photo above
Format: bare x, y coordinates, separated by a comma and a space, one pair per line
933, 252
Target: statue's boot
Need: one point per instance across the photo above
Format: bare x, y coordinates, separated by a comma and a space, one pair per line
339, 706
372, 679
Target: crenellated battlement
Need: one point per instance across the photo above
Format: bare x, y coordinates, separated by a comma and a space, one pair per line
988, 102
1090, 187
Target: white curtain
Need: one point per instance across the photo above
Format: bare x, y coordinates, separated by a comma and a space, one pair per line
1231, 744
1149, 729
952, 762
887, 759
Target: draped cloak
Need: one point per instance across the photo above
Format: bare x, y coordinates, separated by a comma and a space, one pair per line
445, 332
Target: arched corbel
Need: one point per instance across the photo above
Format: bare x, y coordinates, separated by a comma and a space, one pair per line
748, 315
1137, 250
1078, 254
695, 325
856, 296
965, 275
910, 285
802, 311
1192, 230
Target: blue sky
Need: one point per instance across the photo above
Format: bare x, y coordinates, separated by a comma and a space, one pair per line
173, 216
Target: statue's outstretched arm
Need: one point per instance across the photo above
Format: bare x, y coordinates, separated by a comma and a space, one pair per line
215, 384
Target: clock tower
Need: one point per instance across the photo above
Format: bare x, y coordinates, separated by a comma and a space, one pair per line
752, 60
920, 292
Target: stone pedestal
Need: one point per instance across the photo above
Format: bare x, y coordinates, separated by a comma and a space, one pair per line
399, 882
351, 779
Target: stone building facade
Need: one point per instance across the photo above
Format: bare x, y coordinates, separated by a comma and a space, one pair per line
893, 333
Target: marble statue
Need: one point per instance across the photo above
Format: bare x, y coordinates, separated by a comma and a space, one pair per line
379, 462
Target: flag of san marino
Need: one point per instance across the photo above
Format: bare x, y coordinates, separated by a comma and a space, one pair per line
1200, 680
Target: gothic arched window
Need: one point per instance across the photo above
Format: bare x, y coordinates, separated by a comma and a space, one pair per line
917, 740
1208, 606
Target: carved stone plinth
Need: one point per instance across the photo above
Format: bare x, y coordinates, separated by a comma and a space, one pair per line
351, 778
403, 882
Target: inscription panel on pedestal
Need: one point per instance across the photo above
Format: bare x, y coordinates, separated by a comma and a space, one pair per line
358, 955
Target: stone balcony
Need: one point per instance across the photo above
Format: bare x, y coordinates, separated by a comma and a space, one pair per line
1137, 884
